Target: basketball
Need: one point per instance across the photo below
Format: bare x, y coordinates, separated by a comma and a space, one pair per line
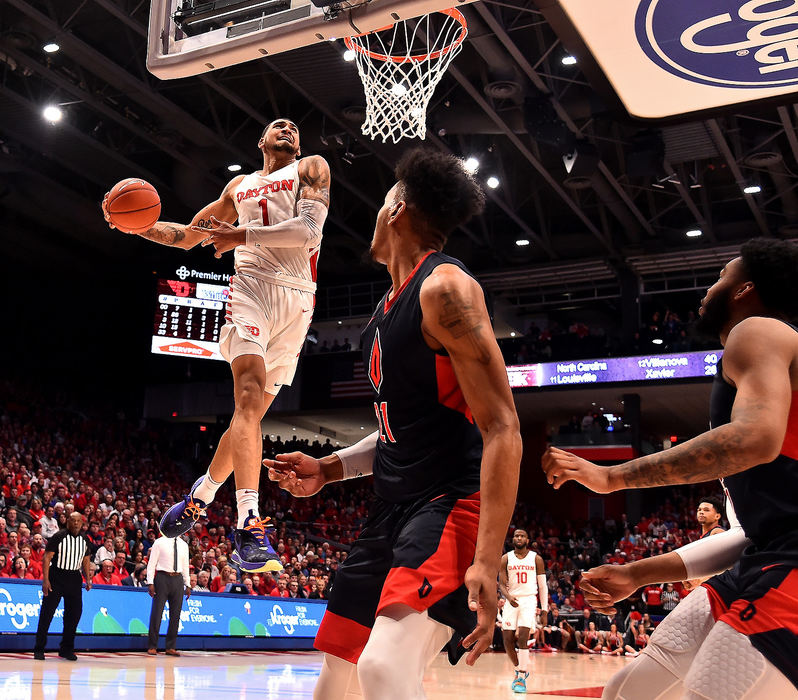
133, 205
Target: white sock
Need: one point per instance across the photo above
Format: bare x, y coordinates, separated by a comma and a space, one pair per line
207, 489
523, 660
247, 502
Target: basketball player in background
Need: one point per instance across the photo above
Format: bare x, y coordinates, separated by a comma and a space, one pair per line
445, 458
522, 580
709, 514
280, 210
736, 636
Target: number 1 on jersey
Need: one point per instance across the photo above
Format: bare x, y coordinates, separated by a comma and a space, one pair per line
264, 210
381, 409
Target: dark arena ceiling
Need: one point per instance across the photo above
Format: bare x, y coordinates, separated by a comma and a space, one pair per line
508, 99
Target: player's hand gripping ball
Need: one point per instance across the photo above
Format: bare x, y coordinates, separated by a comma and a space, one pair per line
132, 205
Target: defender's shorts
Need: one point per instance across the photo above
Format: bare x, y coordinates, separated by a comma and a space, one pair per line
411, 553
761, 602
268, 320
522, 616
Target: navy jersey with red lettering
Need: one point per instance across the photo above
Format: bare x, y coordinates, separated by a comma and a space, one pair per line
765, 497
428, 439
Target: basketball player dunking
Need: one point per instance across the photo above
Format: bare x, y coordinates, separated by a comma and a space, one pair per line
280, 211
522, 580
445, 458
735, 636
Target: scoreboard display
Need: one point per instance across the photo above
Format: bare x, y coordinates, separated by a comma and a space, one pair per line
189, 317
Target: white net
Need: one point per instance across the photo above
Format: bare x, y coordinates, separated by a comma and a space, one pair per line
400, 67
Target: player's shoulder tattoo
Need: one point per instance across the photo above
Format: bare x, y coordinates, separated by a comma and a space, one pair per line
314, 179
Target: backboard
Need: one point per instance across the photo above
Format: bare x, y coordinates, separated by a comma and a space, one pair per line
189, 37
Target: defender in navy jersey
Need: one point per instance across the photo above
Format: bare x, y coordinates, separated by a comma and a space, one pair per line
736, 636
445, 458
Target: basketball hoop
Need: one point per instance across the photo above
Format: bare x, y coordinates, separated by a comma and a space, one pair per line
400, 67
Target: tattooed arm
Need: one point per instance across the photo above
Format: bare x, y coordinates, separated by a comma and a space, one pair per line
182, 236
455, 319
301, 231
757, 359
314, 179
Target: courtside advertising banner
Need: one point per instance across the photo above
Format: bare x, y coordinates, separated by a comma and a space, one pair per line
672, 57
119, 610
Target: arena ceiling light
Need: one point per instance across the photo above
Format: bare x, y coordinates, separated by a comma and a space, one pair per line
656, 341
349, 55
694, 233
51, 47
522, 242
569, 60
492, 182
471, 165
52, 113
752, 189
234, 167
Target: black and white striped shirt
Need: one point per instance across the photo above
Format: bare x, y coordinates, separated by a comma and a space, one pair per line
69, 550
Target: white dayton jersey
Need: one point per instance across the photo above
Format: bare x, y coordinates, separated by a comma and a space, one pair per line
522, 584
265, 200
522, 577
271, 299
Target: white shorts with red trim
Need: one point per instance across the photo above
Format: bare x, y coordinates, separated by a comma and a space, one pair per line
522, 616
269, 320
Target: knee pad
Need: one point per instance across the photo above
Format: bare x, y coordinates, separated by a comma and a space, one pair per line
680, 635
728, 667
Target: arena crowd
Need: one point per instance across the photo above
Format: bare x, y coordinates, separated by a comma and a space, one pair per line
56, 458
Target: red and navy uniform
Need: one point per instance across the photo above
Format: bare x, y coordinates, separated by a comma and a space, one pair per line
759, 595
420, 535
707, 534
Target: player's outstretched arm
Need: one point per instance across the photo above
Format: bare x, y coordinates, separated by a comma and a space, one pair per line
302, 475
187, 236
607, 584
754, 435
456, 319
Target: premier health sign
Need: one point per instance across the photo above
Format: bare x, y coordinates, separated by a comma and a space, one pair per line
672, 57
115, 610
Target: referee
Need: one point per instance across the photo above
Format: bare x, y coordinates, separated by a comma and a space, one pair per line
66, 552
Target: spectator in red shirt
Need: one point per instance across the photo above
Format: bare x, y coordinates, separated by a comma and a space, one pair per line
227, 575
34, 569
37, 545
20, 569
36, 510
281, 589
652, 595
106, 576
5, 566
249, 585
120, 568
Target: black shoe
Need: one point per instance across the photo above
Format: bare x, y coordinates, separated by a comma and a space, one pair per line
454, 648
68, 655
38, 655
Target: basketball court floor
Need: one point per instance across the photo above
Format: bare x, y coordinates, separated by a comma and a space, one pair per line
277, 676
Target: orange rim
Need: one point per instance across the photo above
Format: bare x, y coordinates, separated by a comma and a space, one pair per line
453, 12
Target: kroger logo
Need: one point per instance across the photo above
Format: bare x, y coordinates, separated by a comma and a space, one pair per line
17, 612
727, 43
278, 617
